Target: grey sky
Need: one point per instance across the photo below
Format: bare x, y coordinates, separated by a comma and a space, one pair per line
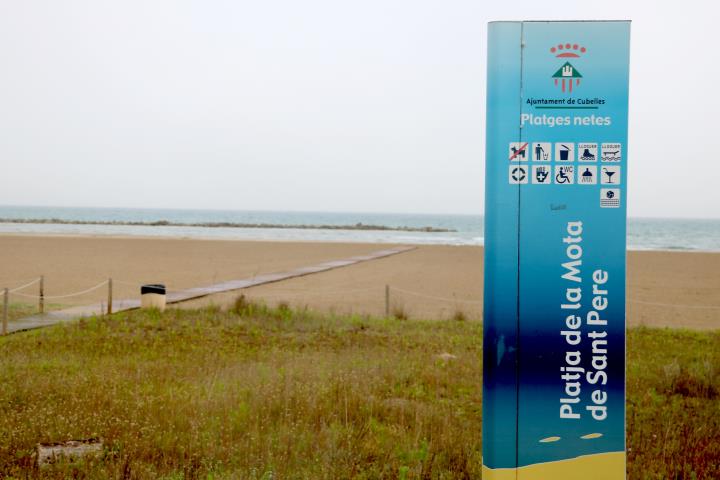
329, 105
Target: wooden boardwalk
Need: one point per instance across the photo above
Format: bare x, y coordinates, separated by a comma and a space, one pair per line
73, 313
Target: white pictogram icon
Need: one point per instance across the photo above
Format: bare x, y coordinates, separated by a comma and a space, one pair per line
518, 174
611, 152
518, 151
541, 152
587, 152
541, 174
610, 175
587, 175
564, 174
564, 151
609, 198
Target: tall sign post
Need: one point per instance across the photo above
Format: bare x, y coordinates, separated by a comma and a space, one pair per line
556, 179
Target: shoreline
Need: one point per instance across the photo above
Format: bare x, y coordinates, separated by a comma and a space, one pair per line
298, 240
643, 233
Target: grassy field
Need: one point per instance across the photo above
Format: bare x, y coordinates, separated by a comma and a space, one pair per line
262, 393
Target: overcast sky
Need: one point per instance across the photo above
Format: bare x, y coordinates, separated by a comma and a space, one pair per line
370, 106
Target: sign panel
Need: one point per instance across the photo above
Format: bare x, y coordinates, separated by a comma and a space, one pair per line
556, 179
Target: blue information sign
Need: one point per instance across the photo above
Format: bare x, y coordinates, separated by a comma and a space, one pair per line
556, 179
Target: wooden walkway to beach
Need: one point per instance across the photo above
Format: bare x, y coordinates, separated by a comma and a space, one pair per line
73, 313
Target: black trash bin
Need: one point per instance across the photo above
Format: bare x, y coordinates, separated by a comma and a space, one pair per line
153, 296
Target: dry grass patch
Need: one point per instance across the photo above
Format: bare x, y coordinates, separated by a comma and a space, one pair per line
259, 393
213, 394
673, 411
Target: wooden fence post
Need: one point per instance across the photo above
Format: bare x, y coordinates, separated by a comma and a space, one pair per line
387, 301
41, 301
109, 309
6, 295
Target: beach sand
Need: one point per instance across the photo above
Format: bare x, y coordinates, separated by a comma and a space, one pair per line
588, 467
671, 289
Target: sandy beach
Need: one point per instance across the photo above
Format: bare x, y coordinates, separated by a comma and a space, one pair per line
674, 289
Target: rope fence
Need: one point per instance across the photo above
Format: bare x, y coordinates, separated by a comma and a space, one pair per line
41, 297
22, 287
434, 297
317, 292
676, 305
451, 300
130, 284
33, 279
389, 297
67, 295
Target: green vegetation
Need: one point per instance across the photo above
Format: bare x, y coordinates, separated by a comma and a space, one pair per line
673, 404
264, 393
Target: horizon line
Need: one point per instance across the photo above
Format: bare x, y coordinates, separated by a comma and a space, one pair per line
350, 212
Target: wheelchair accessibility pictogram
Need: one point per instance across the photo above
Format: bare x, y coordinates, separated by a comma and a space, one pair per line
564, 174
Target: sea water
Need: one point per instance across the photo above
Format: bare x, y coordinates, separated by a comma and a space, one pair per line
643, 233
